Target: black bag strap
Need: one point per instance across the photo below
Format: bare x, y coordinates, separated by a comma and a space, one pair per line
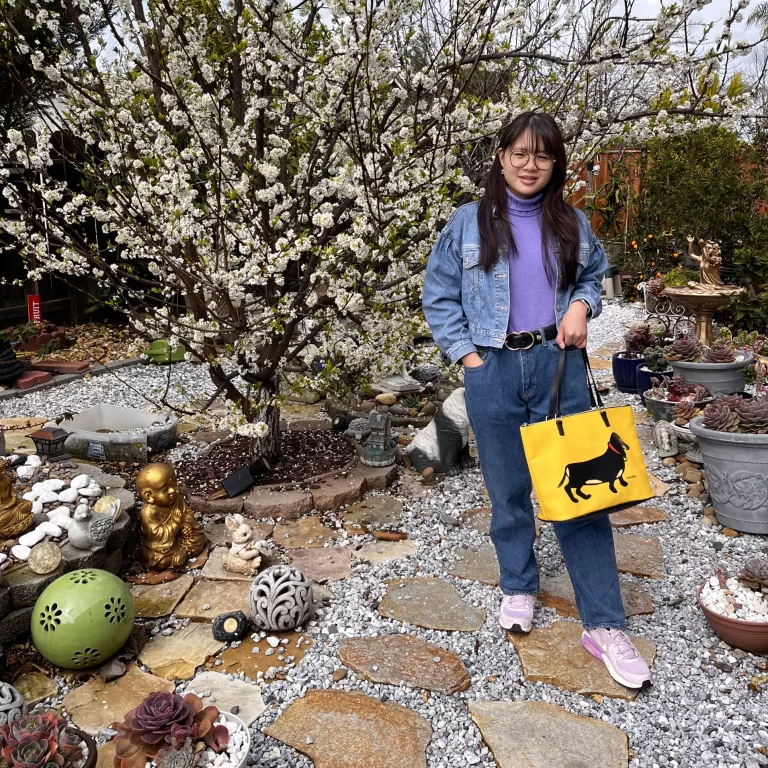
595, 400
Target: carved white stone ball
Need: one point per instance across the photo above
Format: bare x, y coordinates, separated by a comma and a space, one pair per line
280, 599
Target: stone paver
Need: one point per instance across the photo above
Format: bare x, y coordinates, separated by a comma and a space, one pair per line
298, 534
430, 603
243, 659
554, 655
639, 555
289, 505
35, 687
207, 599
637, 516
228, 693
340, 729
151, 601
476, 564
106, 756
377, 552
533, 734
374, 512
95, 705
214, 567
557, 592
478, 519
176, 656
326, 564
600, 365
659, 487
396, 659
218, 533
337, 491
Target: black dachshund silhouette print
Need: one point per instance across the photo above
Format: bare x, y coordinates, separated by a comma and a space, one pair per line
606, 468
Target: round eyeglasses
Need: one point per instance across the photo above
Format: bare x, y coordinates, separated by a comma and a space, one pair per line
519, 159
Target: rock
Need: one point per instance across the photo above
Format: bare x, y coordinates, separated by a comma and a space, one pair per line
151, 601
61, 511
696, 491
176, 656
20, 552
69, 495
250, 657
54, 484
50, 529
336, 729
80, 481
708, 522
229, 694
430, 603
286, 504
44, 557
397, 659
638, 555
476, 564
335, 492
658, 487
428, 473
31, 538
377, 552
386, 398
670, 461
637, 516
428, 409
339, 674
709, 511
367, 406
478, 519
539, 735
230, 627
326, 564
557, 592
730, 532
36, 687
689, 473
207, 599
96, 705
374, 512
299, 534
47, 497
554, 655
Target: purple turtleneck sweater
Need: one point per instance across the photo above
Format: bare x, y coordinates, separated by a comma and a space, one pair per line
531, 295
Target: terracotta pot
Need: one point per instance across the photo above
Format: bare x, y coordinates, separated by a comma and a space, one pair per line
90, 761
750, 636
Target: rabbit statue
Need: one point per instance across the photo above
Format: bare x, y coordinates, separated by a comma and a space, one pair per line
244, 555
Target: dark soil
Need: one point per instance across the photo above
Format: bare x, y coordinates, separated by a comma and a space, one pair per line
304, 455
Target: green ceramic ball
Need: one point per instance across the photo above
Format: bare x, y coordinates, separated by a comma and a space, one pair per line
82, 619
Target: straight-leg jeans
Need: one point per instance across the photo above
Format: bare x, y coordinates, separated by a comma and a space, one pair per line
509, 389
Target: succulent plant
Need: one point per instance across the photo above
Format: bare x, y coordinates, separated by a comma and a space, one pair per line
638, 338
755, 574
730, 400
40, 741
719, 352
655, 286
179, 755
753, 415
676, 390
655, 360
686, 410
721, 418
162, 720
685, 349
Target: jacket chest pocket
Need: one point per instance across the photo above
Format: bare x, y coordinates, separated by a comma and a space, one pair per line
473, 274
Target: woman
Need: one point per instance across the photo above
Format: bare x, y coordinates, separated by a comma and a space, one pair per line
511, 281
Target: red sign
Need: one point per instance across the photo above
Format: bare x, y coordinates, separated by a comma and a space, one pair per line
34, 309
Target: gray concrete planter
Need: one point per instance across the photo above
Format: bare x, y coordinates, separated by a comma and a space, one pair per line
718, 378
736, 466
664, 410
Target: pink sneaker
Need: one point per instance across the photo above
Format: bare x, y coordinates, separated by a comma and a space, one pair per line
516, 612
615, 650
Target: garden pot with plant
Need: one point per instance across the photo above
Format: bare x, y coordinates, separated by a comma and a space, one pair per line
733, 441
671, 399
719, 368
624, 364
655, 367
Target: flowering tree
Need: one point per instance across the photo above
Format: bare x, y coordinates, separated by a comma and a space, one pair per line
269, 177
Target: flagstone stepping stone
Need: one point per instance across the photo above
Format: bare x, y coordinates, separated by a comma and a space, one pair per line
478, 519
219, 535
558, 593
377, 552
227, 693
214, 567
477, 564
96, 705
341, 729
298, 534
637, 516
600, 365
397, 659
151, 601
177, 656
432, 604
35, 687
659, 487
539, 735
244, 659
207, 599
327, 564
374, 512
607, 350
638, 555
554, 655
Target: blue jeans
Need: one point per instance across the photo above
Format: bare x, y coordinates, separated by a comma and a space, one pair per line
509, 389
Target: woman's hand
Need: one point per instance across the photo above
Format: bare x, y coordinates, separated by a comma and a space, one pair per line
471, 360
573, 329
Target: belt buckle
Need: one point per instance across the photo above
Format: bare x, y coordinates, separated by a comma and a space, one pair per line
519, 335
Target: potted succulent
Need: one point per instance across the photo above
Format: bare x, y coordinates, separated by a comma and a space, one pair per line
733, 440
737, 608
168, 730
625, 363
655, 366
664, 397
45, 740
720, 368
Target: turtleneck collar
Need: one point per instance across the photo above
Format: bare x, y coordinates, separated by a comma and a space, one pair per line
518, 206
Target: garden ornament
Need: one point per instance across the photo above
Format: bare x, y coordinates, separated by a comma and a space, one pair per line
665, 438
170, 535
244, 555
378, 451
90, 530
709, 261
15, 514
280, 599
399, 382
12, 704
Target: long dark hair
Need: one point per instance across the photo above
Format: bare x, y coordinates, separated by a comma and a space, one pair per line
558, 219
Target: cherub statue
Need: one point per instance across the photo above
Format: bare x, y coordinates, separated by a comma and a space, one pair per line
244, 555
170, 535
709, 261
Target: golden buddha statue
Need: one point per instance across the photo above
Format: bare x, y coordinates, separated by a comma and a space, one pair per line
15, 514
170, 535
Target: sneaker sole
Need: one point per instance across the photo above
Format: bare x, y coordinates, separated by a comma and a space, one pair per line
518, 628
594, 649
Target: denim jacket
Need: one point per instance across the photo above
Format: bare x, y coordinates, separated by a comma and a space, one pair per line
467, 307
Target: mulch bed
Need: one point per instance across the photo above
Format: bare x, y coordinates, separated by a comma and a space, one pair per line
305, 454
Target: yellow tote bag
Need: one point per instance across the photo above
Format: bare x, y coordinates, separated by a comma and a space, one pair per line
586, 463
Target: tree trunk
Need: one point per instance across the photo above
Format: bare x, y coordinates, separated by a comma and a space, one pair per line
269, 446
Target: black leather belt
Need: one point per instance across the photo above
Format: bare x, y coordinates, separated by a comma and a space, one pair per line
527, 339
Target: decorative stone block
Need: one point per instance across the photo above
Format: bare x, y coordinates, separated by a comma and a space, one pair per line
81, 558
26, 586
61, 366
15, 624
32, 379
336, 492
5, 600
122, 532
217, 506
375, 478
290, 505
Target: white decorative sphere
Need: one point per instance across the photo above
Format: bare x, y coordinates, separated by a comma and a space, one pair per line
281, 598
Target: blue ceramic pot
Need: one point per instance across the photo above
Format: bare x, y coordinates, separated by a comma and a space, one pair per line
624, 369
643, 379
